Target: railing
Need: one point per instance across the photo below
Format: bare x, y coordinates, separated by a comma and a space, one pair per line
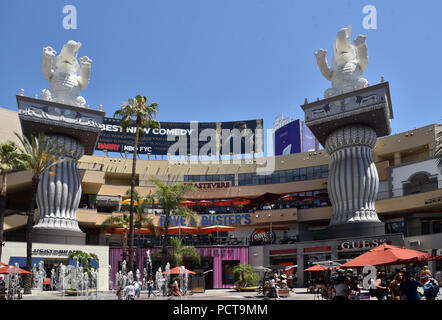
150, 242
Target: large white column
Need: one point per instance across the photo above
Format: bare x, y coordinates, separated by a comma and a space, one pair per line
59, 190
353, 181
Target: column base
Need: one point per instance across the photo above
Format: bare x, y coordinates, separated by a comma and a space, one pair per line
355, 229
58, 236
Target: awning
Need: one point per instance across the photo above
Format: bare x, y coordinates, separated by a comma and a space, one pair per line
22, 261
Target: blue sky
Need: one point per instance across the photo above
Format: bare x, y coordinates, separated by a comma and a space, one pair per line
224, 60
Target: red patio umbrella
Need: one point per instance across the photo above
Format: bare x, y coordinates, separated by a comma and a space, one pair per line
222, 203
176, 270
216, 229
386, 254
188, 203
241, 202
182, 230
317, 267
287, 198
307, 199
204, 203
5, 270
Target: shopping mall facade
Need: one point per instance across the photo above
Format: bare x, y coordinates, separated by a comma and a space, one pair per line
282, 220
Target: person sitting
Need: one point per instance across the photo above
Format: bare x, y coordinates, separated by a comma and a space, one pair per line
431, 287
394, 286
381, 287
320, 284
355, 288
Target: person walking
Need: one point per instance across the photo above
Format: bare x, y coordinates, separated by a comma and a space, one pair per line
150, 288
394, 286
129, 290
341, 287
408, 288
2, 289
137, 285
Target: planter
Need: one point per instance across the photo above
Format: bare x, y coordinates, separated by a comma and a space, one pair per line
246, 289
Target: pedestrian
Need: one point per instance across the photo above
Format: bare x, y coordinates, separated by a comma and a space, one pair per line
273, 293
120, 294
395, 292
175, 288
137, 286
150, 288
129, 290
408, 288
425, 270
381, 287
431, 287
355, 288
2, 289
341, 287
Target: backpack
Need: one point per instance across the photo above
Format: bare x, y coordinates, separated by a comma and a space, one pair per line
430, 289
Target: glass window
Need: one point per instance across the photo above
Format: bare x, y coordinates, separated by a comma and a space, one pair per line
302, 173
228, 276
309, 173
425, 227
437, 226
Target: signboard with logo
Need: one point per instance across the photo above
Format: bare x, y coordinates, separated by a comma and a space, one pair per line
184, 138
262, 237
209, 220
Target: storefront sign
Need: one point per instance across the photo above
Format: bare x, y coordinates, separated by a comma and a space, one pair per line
204, 186
361, 244
263, 237
52, 252
209, 220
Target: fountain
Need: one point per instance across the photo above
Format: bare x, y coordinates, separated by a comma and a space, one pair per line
14, 281
167, 279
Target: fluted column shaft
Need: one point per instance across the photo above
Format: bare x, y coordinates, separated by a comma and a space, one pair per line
353, 181
59, 191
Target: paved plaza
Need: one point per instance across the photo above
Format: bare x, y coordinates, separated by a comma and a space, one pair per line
216, 294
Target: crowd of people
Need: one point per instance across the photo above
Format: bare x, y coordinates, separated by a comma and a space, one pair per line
132, 291
399, 285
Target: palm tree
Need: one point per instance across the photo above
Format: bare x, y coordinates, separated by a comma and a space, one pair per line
144, 114
84, 259
10, 159
140, 204
121, 222
169, 197
247, 276
438, 152
179, 251
41, 154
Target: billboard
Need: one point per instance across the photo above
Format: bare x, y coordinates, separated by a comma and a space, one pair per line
184, 138
288, 139
294, 137
308, 139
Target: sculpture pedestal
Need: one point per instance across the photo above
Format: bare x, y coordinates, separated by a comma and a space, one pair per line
348, 126
49, 235
59, 191
355, 229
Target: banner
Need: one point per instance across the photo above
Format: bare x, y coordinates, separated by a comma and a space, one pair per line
184, 138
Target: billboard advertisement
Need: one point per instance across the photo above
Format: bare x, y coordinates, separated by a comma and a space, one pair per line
308, 139
288, 139
184, 138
